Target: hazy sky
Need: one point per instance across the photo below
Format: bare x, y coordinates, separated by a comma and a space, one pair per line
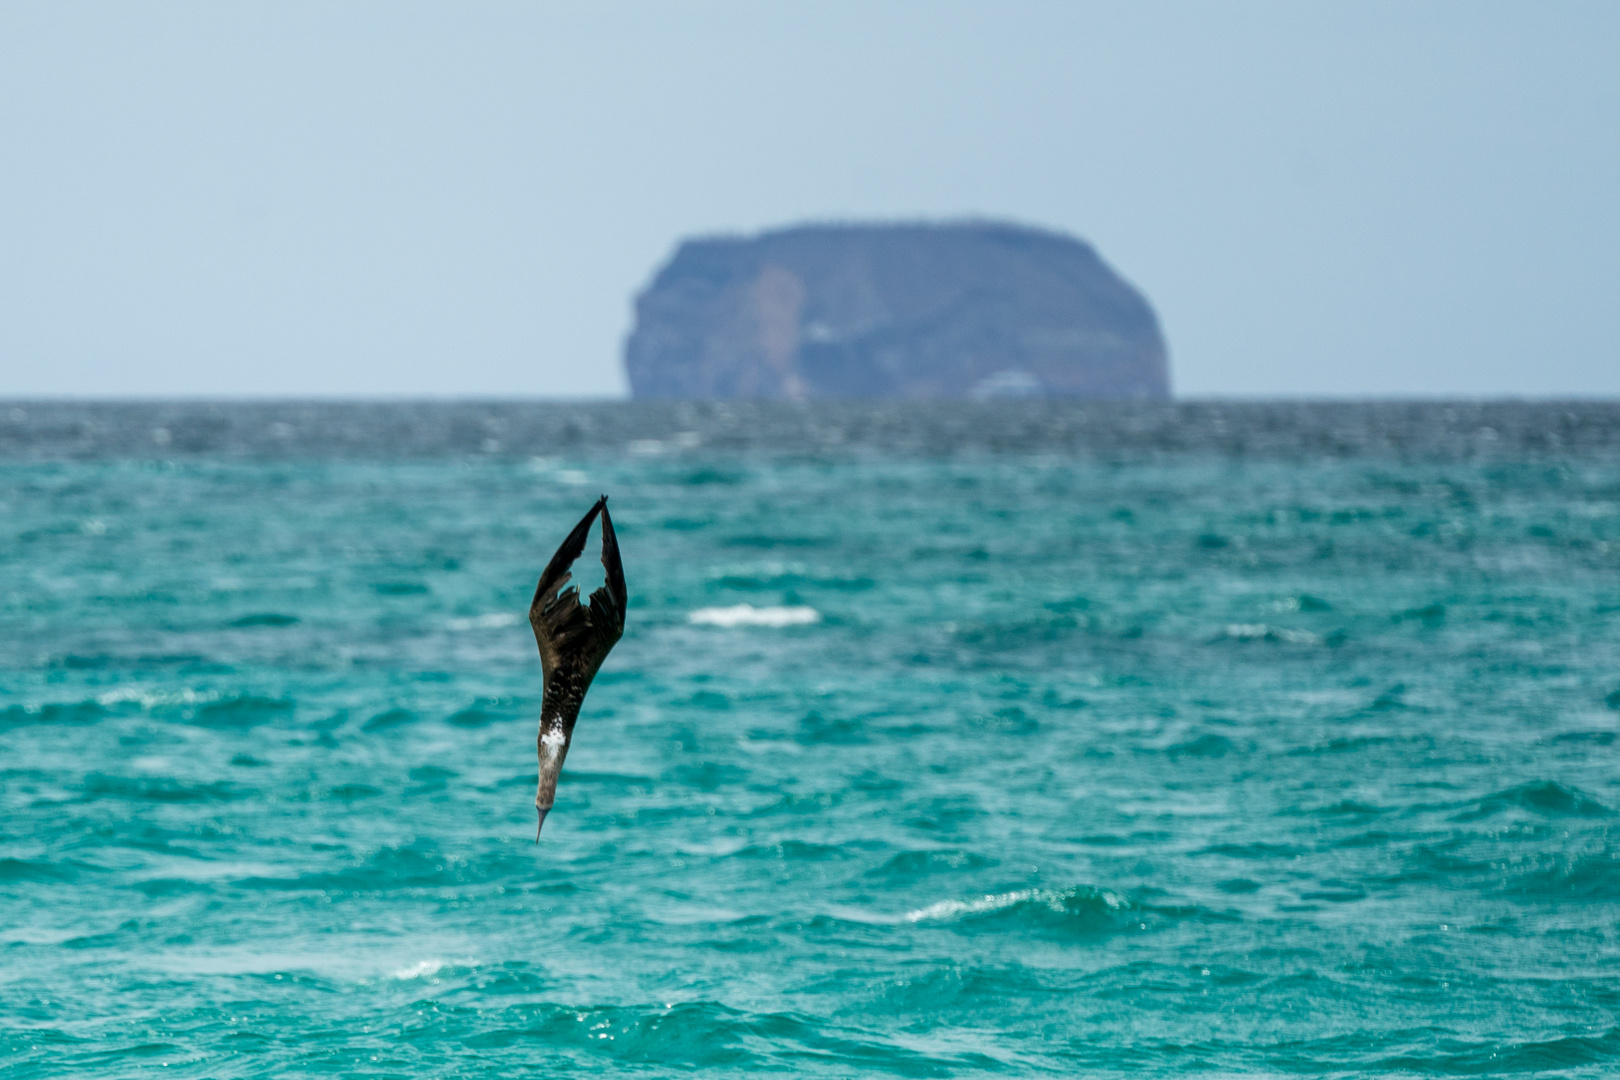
299, 199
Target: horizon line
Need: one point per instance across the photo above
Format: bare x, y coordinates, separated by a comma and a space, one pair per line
522, 399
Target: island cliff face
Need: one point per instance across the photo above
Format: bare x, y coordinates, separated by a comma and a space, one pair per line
894, 311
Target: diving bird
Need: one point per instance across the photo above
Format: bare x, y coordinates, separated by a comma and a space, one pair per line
574, 640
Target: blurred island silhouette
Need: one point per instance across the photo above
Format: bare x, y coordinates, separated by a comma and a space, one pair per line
951, 310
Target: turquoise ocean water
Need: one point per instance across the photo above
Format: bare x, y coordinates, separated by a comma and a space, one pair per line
1001, 740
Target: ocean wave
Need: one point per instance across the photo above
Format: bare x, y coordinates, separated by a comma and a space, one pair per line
1205, 746
1499, 1057
390, 718
1080, 907
422, 969
417, 865
483, 712
958, 989
915, 865
149, 698
492, 621
1017, 635
709, 1035
241, 711
792, 851
168, 887
780, 577
205, 708
1254, 850
1592, 875
1544, 798
36, 870
1530, 877
266, 618
1341, 745
66, 712
159, 789
1267, 632
749, 615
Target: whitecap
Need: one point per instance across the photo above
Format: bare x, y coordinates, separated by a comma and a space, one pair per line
420, 970
749, 615
1265, 632
485, 622
950, 909
152, 699
1055, 899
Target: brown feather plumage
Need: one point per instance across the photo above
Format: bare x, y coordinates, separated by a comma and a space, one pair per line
574, 639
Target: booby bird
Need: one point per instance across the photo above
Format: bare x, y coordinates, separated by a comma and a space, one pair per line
574, 640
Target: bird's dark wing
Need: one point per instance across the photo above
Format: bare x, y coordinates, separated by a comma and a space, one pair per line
573, 637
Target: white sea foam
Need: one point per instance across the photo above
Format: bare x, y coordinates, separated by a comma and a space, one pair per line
1054, 899
950, 909
152, 699
485, 622
1264, 632
749, 615
419, 970
684, 440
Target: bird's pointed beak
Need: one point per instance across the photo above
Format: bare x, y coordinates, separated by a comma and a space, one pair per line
540, 826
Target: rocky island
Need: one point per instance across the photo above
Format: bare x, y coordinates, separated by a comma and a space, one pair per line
970, 310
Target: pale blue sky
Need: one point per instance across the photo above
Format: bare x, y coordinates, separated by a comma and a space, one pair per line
388, 199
